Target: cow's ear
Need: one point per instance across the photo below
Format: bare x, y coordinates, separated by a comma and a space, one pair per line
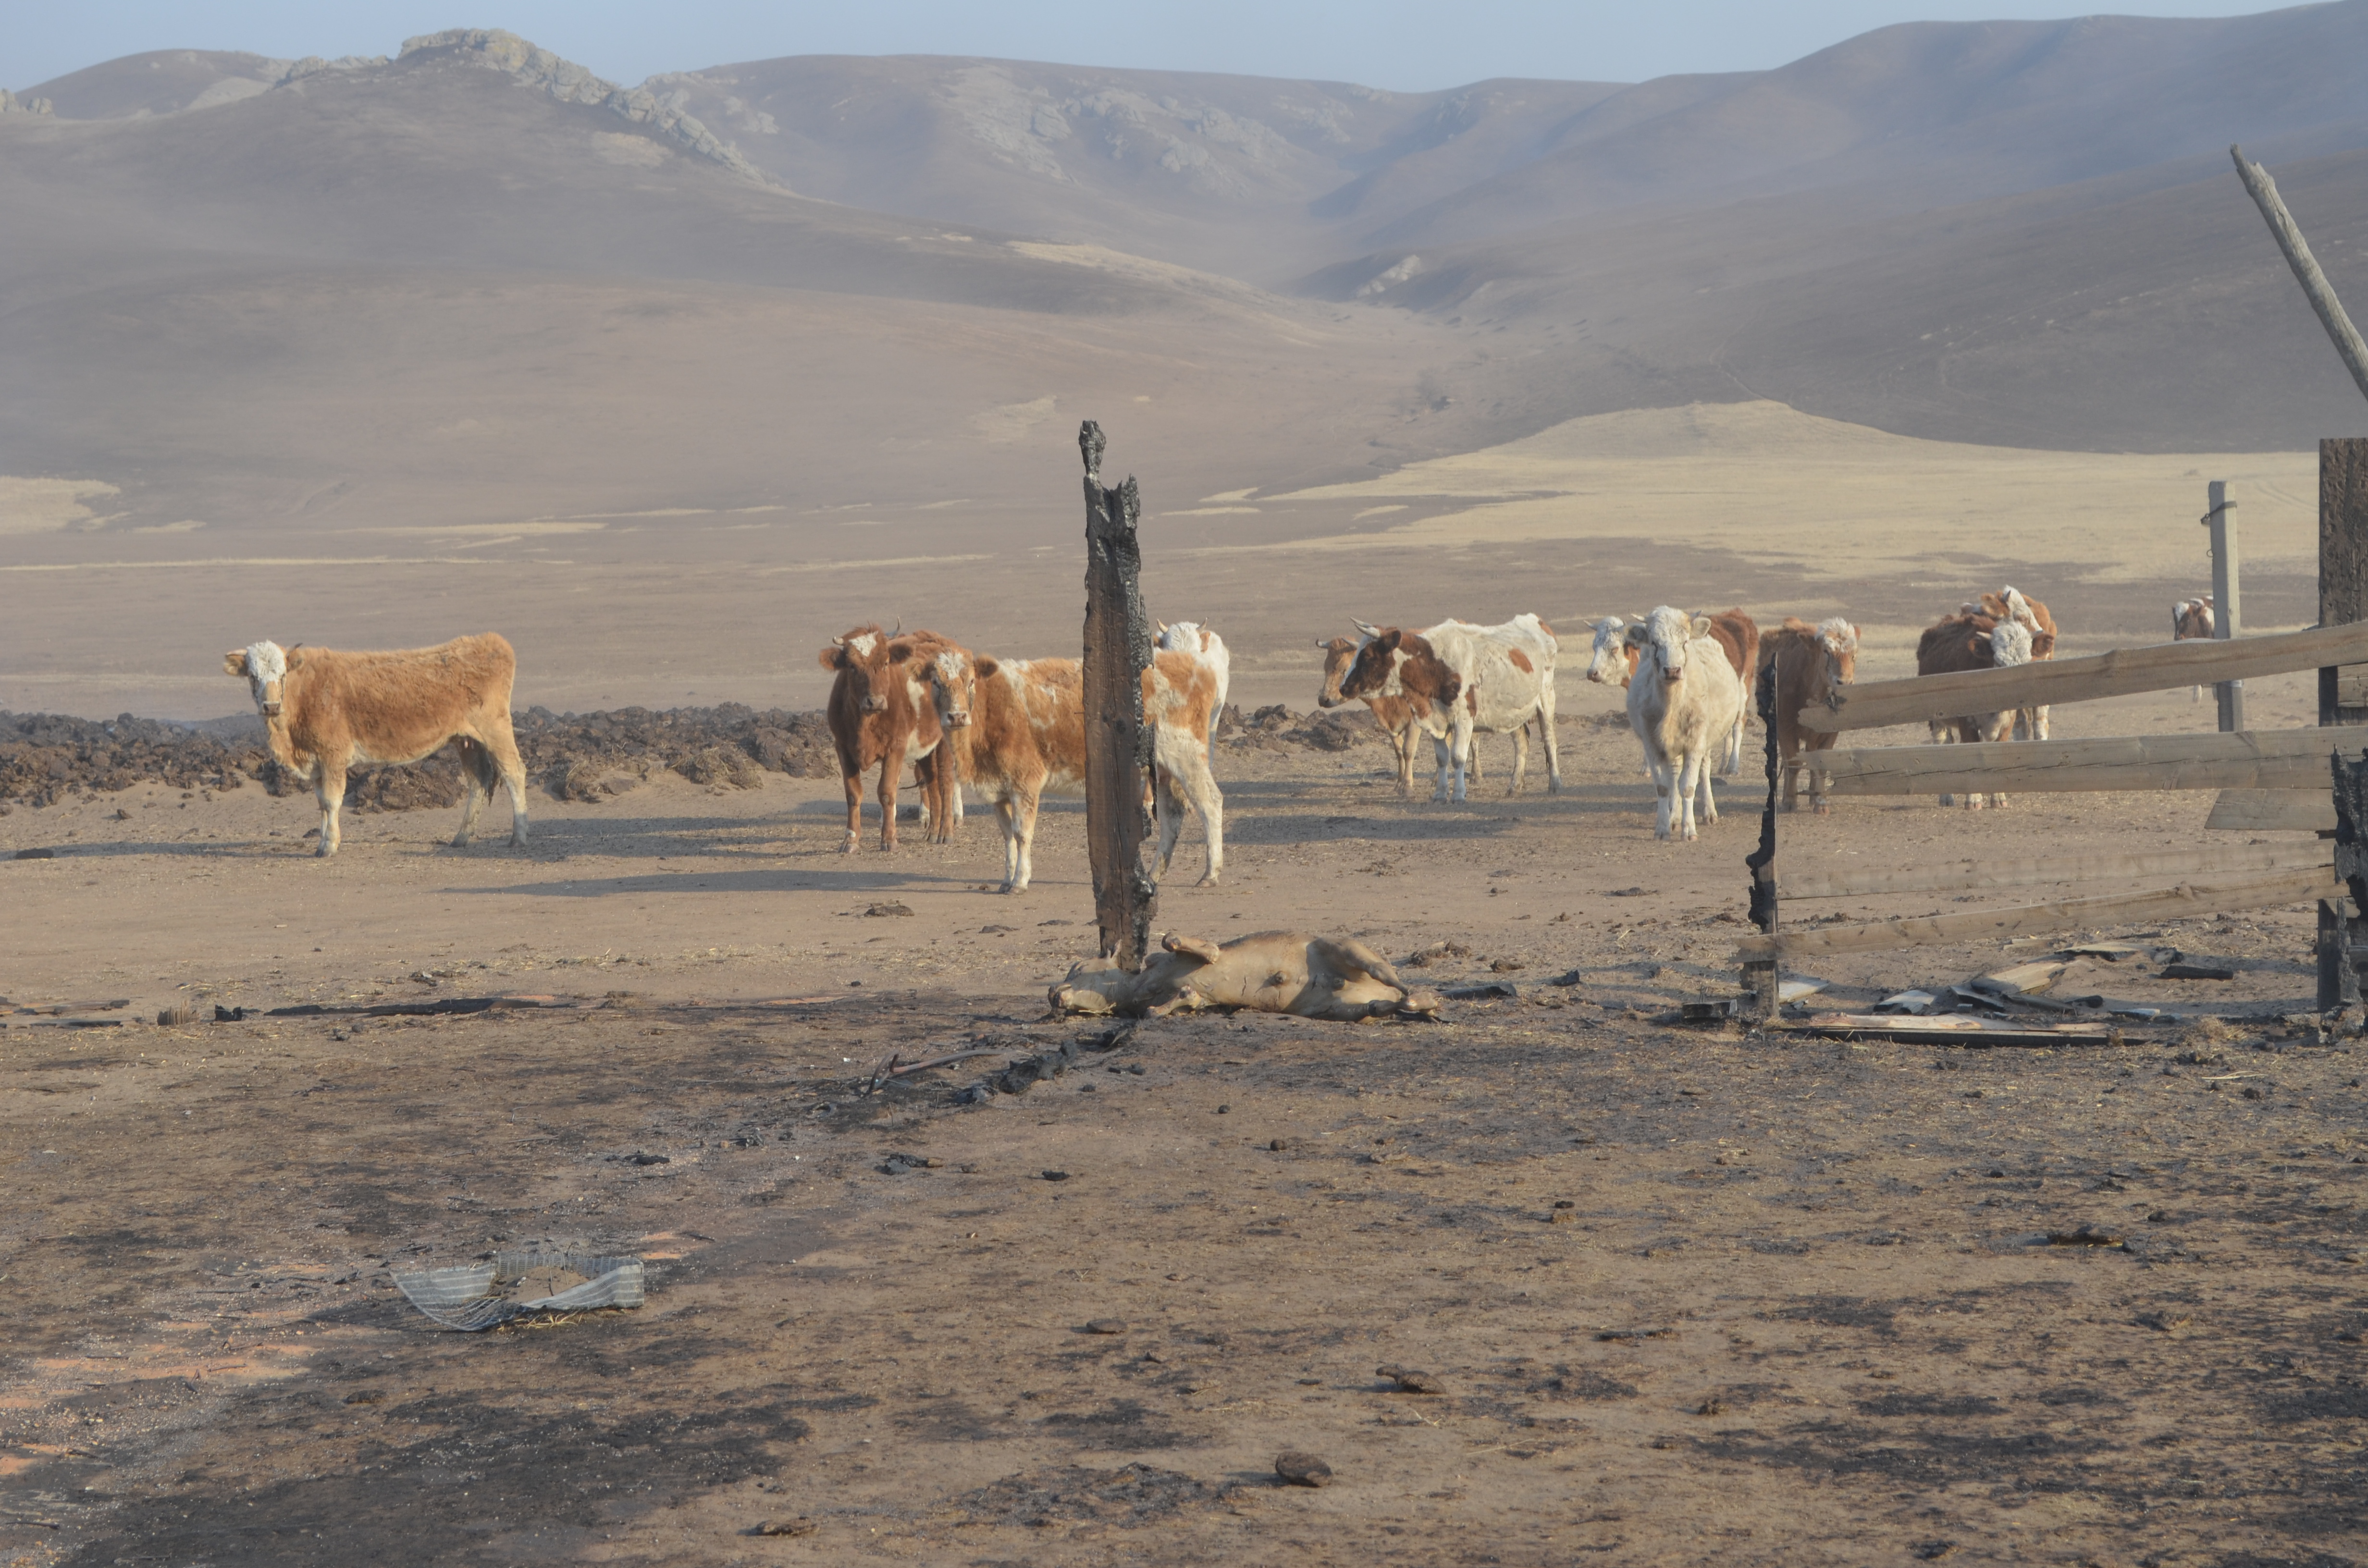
985, 667
1390, 640
832, 658
235, 662
295, 658
1702, 626
899, 652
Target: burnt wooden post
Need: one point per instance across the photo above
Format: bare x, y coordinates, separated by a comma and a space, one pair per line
1118, 747
1762, 977
2342, 597
2220, 517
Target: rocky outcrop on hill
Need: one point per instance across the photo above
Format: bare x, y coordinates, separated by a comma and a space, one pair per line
569, 83
11, 103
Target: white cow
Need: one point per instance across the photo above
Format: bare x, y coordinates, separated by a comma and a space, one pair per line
1491, 678
1684, 704
1194, 637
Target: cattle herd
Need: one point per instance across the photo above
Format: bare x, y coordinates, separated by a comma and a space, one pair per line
1014, 730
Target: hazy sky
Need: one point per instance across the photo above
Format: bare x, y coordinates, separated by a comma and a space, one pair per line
1404, 44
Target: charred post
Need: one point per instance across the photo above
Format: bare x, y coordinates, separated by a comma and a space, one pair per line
1761, 980
1118, 747
2342, 598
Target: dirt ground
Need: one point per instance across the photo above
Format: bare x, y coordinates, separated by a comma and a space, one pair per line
1684, 1295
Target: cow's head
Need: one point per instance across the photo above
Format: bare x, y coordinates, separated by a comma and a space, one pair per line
952, 675
266, 665
2192, 619
1339, 655
1614, 659
853, 657
2010, 644
1395, 663
1667, 639
1838, 641
1187, 637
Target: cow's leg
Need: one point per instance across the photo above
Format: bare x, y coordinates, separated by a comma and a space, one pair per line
1684, 783
474, 791
1520, 757
504, 761
891, 774
1546, 735
329, 788
1404, 742
1026, 804
1460, 734
1168, 810
851, 779
1443, 755
1007, 818
1706, 804
1199, 787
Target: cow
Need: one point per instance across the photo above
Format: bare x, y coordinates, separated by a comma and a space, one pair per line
1684, 705
1961, 642
2190, 620
1491, 678
1812, 664
1194, 637
324, 711
1270, 971
880, 715
1397, 716
2030, 723
1738, 636
1019, 735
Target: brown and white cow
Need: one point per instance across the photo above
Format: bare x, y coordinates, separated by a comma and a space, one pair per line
2192, 619
1195, 637
880, 716
1612, 660
1961, 642
1738, 634
1684, 705
1812, 664
2011, 604
1395, 715
1496, 679
1019, 735
324, 711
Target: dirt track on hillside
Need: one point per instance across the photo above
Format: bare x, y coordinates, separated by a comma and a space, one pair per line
1803, 1306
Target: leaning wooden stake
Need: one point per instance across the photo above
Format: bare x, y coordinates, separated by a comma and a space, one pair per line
2314, 286
1118, 748
1762, 983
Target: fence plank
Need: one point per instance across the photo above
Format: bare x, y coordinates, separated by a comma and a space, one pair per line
2202, 896
2257, 759
2272, 810
2162, 668
1965, 876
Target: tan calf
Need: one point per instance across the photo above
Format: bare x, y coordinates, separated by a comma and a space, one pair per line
1271, 972
879, 716
325, 711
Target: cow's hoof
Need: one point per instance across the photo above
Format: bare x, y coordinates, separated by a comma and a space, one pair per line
1823, 810
847, 847
1208, 882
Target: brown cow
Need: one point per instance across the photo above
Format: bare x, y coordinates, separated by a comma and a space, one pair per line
880, 717
1964, 642
1019, 735
2190, 620
324, 711
1271, 972
1813, 664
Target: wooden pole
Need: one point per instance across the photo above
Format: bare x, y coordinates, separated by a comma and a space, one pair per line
2221, 520
1118, 747
2342, 598
1762, 981
2314, 286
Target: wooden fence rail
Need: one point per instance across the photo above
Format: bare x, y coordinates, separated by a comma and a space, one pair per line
1968, 876
2201, 896
2257, 759
2163, 667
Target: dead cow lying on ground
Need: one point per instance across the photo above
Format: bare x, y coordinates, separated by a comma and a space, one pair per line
324, 711
1271, 972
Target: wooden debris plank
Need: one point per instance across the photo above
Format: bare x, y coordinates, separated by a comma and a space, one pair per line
2272, 810
1964, 876
2161, 667
2201, 896
2249, 760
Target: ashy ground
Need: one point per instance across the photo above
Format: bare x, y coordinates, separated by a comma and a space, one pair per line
1680, 1296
